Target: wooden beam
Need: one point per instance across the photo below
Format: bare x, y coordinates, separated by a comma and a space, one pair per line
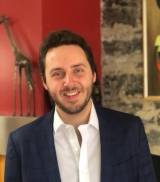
2, 162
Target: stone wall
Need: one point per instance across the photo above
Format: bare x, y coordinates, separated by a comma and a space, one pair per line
122, 65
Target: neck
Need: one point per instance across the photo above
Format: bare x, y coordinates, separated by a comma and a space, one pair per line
76, 119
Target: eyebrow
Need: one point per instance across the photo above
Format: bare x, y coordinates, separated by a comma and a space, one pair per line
77, 65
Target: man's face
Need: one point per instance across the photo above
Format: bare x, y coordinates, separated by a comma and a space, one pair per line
69, 78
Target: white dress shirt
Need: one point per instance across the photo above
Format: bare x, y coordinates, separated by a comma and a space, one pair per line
78, 164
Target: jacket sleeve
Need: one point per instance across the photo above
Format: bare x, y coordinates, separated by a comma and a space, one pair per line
12, 163
146, 169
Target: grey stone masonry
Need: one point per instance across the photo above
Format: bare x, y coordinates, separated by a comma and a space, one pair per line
122, 65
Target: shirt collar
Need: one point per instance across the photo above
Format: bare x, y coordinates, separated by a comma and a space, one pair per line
93, 119
57, 121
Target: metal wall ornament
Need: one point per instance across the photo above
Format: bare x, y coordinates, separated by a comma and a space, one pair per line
21, 62
151, 49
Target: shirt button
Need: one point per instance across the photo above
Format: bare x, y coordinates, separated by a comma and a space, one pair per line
75, 149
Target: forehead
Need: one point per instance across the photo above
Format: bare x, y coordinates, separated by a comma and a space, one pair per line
69, 53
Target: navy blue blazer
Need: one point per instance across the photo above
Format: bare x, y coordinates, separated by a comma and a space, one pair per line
125, 155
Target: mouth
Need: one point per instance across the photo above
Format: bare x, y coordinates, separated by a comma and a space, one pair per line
71, 95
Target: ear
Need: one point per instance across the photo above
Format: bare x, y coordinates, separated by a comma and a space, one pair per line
44, 84
94, 77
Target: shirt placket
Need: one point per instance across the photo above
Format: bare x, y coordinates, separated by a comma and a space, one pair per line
72, 138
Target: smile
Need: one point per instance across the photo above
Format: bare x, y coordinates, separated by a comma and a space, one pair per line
71, 94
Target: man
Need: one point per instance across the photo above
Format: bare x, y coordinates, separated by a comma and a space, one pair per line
76, 141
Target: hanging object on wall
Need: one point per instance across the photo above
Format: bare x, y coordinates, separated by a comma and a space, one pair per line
157, 54
21, 62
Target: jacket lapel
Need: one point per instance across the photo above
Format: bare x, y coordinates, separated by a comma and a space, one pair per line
44, 135
107, 138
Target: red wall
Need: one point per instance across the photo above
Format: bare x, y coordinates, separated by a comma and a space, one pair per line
80, 16
30, 22
26, 30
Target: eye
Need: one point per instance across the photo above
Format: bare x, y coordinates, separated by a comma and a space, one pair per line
78, 70
58, 74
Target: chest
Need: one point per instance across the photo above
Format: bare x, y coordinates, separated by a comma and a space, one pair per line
78, 163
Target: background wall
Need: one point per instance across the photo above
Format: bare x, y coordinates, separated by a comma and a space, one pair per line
29, 24
122, 65
26, 31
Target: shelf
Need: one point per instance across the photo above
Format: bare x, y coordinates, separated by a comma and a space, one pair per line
9, 124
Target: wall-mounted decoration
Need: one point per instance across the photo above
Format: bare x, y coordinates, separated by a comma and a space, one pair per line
151, 49
21, 62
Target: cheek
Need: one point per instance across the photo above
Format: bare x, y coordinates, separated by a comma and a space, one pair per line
54, 87
88, 81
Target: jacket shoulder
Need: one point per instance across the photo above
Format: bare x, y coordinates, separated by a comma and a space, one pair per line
117, 118
113, 113
27, 131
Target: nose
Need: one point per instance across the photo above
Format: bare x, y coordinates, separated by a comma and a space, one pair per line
68, 80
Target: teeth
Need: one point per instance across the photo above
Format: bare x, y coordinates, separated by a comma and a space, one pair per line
71, 94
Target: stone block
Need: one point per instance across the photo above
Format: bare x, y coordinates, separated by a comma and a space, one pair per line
122, 46
121, 2
125, 15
